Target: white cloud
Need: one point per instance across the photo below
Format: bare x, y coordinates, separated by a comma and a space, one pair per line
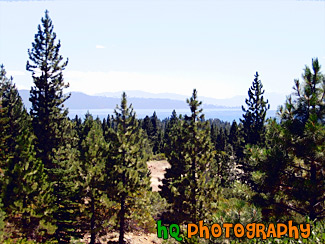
100, 46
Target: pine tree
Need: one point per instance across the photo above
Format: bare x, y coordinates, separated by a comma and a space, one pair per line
47, 95
171, 123
253, 130
56, 138
147, 126
22, 172
234, 137
152, 126
255, 114
292, 177
190, 184
228, 169
4, 122
108, 126
78, 124
172, 181
127, 164
92, 172
221, 140
156, 136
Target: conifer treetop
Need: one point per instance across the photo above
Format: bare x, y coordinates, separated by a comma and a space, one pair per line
125, 114
46, 65
194, 106
45, 53
308, 97
255, 113
255, 98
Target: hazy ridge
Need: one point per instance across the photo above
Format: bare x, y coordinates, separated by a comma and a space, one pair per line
146, 100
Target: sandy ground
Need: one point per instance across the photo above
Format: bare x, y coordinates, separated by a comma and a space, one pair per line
157, 169
130, 238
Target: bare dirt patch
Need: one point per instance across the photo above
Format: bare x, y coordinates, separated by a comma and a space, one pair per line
129, 238
157, 169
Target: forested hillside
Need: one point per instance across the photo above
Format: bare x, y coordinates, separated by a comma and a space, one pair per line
76, 180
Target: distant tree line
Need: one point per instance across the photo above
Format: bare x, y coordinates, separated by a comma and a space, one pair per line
62, 179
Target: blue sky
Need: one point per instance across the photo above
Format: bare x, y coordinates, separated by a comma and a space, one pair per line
170, 46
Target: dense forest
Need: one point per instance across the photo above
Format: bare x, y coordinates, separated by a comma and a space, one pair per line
63, 179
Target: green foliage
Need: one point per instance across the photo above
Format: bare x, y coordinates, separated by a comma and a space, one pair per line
189, 185
152, 127
170, 132
92, 176
60, 179
225, 145
253, 130
63, 209
234, 206
291, 165
254, 114
173, 149
221, 140
126, 167
228, 168
234, 138
22, 172
158, 157
2, 221
56, 138
47, 95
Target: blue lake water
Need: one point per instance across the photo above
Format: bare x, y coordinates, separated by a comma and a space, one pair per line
224, 114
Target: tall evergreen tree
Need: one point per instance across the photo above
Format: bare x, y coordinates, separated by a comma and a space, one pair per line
108, 126
292, 166
214, 134
170, 129
55, 142
93, 155
190, 184
127, 164
152, 126
46, 95
255, 114
147, 126
234, 137
221, 140
22, 171
157, 136
253, 130
173, 149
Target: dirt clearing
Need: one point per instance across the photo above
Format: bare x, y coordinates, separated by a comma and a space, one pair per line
157, 169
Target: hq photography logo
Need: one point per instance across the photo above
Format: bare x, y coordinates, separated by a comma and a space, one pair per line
251, 230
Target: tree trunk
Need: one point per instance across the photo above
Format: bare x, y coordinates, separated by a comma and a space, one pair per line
313, 200
122, 220
24, 219
92, 222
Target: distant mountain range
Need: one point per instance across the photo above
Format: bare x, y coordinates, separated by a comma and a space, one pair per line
146, 100
275, 99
